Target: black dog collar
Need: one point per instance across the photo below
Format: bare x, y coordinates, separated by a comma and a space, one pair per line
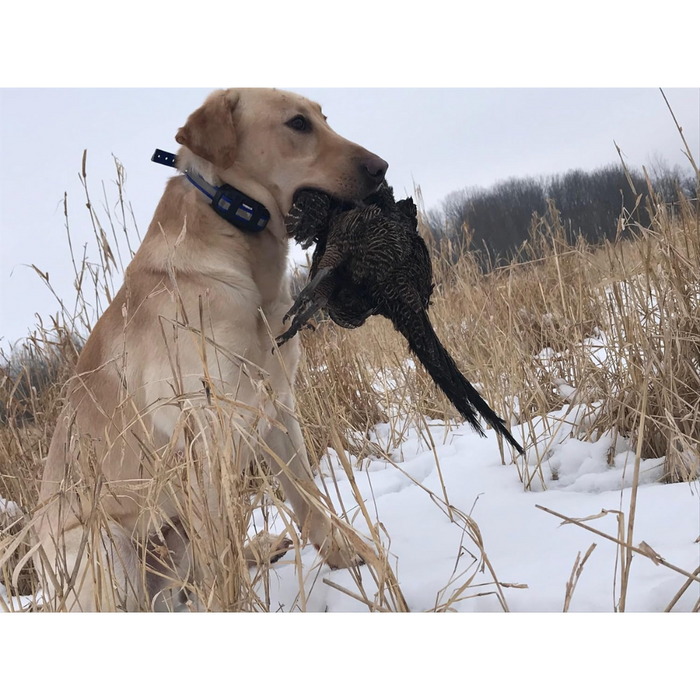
230, 204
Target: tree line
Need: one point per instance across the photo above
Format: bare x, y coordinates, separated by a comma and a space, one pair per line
496, 220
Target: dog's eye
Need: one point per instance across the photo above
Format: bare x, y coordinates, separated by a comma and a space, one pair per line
299, 123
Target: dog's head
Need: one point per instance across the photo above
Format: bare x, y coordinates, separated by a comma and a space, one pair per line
281, 142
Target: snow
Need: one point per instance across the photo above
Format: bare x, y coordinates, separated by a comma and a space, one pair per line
432, 556
9, 509
10, 513
524, 544
531, 552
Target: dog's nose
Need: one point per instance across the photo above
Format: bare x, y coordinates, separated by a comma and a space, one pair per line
374, 167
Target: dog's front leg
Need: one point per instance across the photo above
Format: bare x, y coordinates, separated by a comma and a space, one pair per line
290, 464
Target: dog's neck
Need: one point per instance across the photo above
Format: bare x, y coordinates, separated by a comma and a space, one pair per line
219, 248
186, 160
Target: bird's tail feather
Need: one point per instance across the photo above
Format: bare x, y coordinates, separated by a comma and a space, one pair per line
426, 346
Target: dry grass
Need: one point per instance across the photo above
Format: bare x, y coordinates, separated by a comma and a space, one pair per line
639, 296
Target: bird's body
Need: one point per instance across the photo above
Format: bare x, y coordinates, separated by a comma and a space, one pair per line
370, 261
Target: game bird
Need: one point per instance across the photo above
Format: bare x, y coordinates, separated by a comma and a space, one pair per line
371, 260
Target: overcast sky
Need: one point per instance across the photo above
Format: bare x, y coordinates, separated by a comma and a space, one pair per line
441, 139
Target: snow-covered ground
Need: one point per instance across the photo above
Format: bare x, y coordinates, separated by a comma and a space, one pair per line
524, 544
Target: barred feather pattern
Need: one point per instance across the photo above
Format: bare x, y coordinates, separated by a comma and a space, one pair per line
371, 260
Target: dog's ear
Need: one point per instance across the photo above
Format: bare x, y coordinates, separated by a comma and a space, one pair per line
210, 132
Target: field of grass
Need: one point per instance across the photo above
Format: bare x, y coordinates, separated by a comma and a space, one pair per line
617, 325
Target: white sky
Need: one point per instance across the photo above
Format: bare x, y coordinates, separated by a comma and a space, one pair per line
441, 139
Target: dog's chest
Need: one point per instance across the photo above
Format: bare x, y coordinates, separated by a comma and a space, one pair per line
268, 258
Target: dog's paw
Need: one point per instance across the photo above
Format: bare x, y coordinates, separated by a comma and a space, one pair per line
345, 562
281, 549
266, 548
333, 546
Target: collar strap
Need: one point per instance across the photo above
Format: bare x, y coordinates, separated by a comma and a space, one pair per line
230, 204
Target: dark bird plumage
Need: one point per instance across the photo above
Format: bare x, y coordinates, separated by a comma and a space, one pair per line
370, 261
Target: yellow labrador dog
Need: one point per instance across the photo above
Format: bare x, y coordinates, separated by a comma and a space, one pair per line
201, 302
